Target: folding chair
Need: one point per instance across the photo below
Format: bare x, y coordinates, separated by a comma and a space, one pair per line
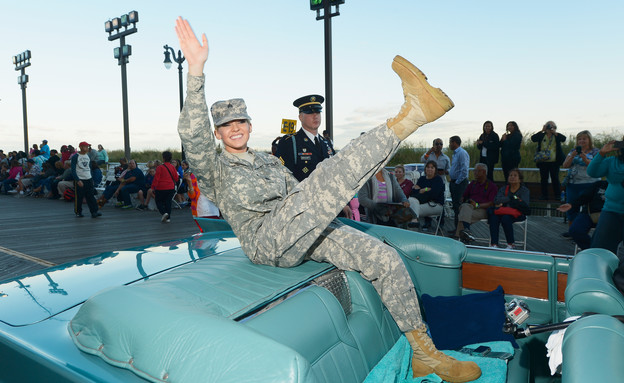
591, 234
439, 218
522, 224
175, 203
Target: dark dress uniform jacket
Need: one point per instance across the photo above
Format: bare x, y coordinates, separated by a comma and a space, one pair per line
303, 157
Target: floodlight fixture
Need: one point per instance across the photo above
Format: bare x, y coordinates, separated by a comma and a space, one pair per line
133, 17
124, 20
119, 28
21, 62
326, 7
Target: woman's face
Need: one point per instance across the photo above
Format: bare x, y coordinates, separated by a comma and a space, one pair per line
513, 178
174, 163
511, 128
430, 171
399, 173
184, 165
583, 141
488, 128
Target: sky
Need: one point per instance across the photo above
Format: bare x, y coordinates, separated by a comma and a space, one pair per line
529, 61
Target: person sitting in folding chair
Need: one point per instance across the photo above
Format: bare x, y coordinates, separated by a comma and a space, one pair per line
477, 197
427, 196
511, 204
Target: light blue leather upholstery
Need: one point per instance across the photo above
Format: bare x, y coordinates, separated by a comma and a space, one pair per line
181, 324
314, 324
593, 348
371, 323
177, 325
429, 259
590, 285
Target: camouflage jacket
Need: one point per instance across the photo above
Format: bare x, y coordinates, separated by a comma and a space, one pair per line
244, 192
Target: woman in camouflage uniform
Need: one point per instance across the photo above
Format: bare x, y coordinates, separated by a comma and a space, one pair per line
270, 211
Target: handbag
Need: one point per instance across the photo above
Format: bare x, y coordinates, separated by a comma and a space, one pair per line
401, 214
506, 210
542, 156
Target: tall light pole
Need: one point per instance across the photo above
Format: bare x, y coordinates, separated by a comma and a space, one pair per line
179, 59
122, 54
21, 62
325, 5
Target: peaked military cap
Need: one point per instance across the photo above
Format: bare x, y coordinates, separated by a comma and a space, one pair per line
229, 110
309, 104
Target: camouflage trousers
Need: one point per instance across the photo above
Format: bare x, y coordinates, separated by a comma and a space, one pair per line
303, 226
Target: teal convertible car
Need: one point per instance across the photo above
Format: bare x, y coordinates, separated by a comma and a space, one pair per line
197, 310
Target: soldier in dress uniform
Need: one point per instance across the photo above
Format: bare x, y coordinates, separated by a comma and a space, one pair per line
302, 151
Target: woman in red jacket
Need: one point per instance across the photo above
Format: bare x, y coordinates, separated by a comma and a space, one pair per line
164, 186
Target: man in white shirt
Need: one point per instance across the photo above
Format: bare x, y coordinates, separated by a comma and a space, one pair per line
83, 183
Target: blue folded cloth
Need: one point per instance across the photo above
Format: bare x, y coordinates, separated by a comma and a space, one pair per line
395, 366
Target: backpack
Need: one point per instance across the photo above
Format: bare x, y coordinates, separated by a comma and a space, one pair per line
68, 195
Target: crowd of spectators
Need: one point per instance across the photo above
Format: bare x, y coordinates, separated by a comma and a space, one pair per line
503, 204
46, 173
390, 198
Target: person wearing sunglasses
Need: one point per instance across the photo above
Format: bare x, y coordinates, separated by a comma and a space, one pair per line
435, 154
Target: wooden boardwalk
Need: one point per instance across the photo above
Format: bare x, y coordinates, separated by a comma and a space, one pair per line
37, 233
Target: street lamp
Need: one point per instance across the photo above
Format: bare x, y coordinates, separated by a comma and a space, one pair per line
119, 28
21, 62
179, 59
325, 5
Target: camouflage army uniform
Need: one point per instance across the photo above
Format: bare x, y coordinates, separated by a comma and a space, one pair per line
282, 222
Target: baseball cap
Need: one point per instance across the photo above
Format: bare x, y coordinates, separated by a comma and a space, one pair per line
229, 110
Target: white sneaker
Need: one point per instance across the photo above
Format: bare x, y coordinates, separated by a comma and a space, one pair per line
509, 247
496, 246
12, 191
165, 217
21, 192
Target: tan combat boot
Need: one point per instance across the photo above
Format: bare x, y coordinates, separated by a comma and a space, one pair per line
427, 359
423, 103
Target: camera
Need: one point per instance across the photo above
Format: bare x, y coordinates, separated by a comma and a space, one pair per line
579, 150
517, 311
481, 351
548, 127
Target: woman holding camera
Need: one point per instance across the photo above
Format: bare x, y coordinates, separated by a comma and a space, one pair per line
549, 141
577, 180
